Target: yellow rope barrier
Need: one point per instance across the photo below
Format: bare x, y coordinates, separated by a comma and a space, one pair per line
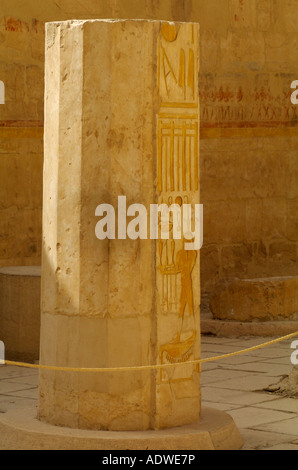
151, 367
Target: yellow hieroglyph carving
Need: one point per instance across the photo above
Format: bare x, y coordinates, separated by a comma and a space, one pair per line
177, 295
169, 31
177, 154
178, 129
177, 69
178, 182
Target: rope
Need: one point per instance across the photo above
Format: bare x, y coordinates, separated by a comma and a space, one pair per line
149, 367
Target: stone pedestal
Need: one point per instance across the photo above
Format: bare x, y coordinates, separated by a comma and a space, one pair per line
20, 312
121, 119
20, 430
256, 300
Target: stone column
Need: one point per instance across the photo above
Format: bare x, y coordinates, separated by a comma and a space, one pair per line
121, 119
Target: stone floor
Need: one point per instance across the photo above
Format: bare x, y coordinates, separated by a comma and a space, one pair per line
266, 421
235, 385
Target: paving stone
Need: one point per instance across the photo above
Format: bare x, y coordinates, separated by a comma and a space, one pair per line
220, 348
270, 353
219, 406
13, 371
251, 382
238, 397
26, 379
274, 370
7, 387
289, 426
250, 416
242, 359
280, 360
259, 440
217, 375
8, 403
285, 446
281, 404
29, 393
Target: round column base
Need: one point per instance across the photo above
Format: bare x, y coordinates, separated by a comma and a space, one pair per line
21, 430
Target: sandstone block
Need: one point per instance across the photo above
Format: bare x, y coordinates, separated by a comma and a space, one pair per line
256, 300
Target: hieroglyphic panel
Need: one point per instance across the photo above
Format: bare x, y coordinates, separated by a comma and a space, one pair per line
178, 129
178, 183
177, 65
177, 154
258, 101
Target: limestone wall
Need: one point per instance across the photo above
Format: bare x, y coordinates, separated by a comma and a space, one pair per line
249, 134
249, 140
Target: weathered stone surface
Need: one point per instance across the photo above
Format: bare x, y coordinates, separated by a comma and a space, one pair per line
20, 312
21, 430
256, 299
238, 329
117, 303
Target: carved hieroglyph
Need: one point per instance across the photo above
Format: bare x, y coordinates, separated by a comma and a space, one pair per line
178, 183
178, 116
